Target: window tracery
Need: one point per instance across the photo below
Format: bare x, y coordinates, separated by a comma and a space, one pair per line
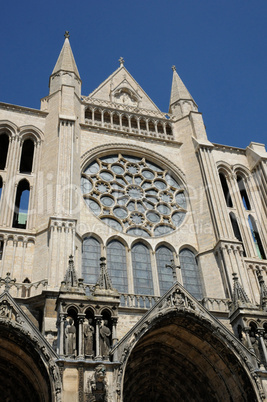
133, 195
190, 273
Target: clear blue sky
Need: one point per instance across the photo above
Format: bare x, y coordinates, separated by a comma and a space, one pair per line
218, 47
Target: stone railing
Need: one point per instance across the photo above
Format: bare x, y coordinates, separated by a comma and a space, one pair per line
138, 301
23, 290
123, 107
216, 305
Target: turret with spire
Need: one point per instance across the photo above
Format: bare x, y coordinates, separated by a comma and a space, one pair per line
181, 102
65, 71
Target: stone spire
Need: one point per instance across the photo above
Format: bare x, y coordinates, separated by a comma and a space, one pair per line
66, 61
103, 285
71, 284
239, 298
263, 291
180, 95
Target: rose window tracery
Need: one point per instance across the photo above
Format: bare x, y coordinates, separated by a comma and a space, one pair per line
133, 195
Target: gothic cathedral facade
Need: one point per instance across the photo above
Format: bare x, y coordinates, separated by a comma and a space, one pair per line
133, 250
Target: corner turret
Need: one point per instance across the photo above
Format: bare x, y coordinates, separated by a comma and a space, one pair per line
65, 71
181, 102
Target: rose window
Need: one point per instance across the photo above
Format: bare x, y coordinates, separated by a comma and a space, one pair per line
134, 195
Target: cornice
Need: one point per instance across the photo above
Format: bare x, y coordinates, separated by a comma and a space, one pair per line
22, 109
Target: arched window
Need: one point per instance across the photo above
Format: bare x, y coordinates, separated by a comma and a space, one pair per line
164, 256
91, 253
88, 114
168, 129
142, 272
243, 193
116, 119
236, 229
256, 237
117, 268
21, 205
142, 124
4, 143
1, 186
151, 126
26, 156
160, 128
190, 273
106, 117
124, 121
97, 115
226, 190
134, 122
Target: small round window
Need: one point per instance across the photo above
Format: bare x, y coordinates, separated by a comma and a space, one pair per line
133, 195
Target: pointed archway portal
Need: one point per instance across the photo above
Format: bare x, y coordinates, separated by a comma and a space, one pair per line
22, 373
179, 351
28, 371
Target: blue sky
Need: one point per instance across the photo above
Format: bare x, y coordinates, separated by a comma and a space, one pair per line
218, 47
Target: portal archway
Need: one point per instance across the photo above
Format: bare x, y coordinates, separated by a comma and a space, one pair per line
181, 358
23, 374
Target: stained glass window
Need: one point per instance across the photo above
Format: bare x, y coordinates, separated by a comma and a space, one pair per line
91, 253
190, 273
117, 268
164, 256
142, 272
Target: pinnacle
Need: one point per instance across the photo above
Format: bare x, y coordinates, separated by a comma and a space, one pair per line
66, 61
179, 90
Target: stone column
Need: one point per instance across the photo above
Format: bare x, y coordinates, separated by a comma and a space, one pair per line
97, 340
260, 332
114, 336
62, 317
80, 335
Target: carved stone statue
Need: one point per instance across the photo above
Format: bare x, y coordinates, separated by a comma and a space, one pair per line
88, 333
97, 385
70, 338
104, 338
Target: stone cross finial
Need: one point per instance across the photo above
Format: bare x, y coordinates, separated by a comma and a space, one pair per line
173, 68
121, 60
8, 281
173, 267
67, 34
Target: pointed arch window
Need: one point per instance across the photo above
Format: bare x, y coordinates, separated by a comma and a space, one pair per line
4, 144
26, 159
226, 191
190, 273
21, 205
117, 267
243, 193
142, 271
1, 187
91, 253
256, 237
236, 230
163, 257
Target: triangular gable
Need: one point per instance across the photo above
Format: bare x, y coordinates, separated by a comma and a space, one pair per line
176, 299
119, 81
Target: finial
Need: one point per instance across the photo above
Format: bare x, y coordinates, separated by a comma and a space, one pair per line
173, 267
67, 34
173, 68
121, 60
7, 281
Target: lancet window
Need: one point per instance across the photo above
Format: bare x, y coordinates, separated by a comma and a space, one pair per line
226, 191
243, 193
117, 267
256, 237
4, 144
164, 256
142, 272
91, 253
190, 273
21, 205
26, 160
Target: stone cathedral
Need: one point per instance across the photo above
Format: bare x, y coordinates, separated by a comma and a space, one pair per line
132, 249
